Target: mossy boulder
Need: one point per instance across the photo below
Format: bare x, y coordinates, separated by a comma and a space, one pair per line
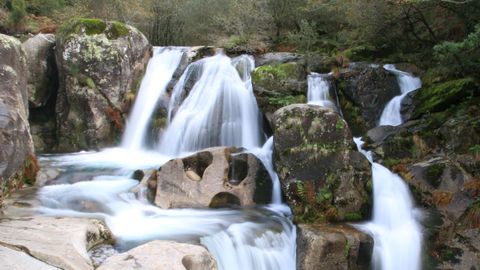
363, 91
322, 176
17, 161
439, 97
279, 84
100, 64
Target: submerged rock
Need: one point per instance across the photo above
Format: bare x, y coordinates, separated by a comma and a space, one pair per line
322, 176
364, 90
333, 247
58, 242
100, 65
162, 255
214, 177
17, 162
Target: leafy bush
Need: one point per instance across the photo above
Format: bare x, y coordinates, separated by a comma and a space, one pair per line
462, 56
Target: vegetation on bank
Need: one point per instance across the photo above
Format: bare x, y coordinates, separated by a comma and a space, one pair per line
443, 35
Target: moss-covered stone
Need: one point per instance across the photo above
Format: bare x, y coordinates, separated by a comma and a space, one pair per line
277, 72
92, 26
439, 97
323, 178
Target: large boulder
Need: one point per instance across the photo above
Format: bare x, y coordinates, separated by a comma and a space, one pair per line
333, 247
59, 242
100, 66
214, 177
162, 255
16, 153
322, 175
364, 90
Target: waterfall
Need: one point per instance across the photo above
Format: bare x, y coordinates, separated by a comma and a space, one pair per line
212, 104
394, 227
219, 110
319, 91
391, 114
159, 72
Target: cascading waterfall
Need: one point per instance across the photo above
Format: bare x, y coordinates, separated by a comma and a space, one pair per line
394, 227
218, 106
319, 91
219, 110
159, 73
391, 114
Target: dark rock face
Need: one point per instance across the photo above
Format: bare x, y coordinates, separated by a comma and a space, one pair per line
364, 90
100, 65
16, 152
437, 153
215, 177
333, 247
42, 90
322, 176
42, 77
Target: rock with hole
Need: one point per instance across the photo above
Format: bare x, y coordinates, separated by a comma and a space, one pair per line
215, 177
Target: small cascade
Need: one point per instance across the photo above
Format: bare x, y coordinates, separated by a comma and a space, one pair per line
319, 91
159, 72
391, 114
220, 110
394, 227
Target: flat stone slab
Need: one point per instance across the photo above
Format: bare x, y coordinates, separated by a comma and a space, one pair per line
59, 242
162, 255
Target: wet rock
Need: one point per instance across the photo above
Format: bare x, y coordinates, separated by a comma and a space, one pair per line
100, 253
322, 176
42, 71
59, 242
214, 177
100, 67
16, 150
333, 247
364, 90
162, 255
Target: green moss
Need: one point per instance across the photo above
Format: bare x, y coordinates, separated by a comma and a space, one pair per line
324, 195
276, 72
340, 125
439, 97
117, 29
286, 100
434, 173
76, 26
353, 216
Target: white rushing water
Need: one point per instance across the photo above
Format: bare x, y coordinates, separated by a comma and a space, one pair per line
220, 109
391, 114
159, 73
319, 91
395, 225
